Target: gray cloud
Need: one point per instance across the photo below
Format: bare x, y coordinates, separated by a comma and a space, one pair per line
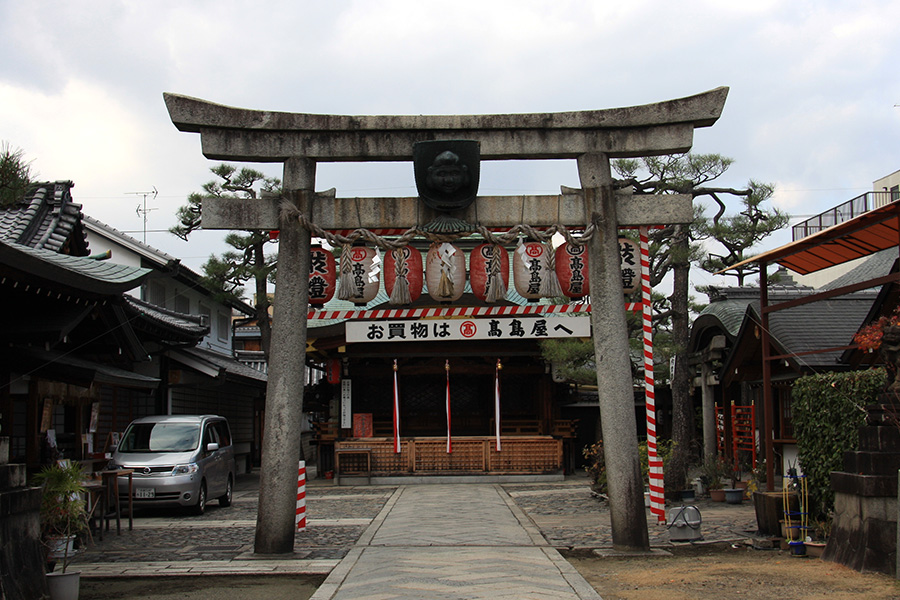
811, 108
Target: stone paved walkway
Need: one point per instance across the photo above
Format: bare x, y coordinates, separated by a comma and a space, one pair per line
340, 519
569, 517
453, 541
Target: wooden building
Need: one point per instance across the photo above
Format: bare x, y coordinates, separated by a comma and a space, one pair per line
82, 356
353, 408
726, 338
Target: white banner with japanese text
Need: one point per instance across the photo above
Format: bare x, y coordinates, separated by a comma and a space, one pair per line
442, 330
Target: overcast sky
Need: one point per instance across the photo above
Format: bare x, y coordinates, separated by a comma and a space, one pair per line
812, 106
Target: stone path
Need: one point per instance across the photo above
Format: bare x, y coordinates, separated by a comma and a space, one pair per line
511, 521
168, 541
569, 517
453, 541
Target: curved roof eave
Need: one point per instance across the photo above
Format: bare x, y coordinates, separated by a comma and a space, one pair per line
97, 278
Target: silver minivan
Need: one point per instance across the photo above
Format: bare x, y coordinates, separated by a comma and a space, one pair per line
178, 460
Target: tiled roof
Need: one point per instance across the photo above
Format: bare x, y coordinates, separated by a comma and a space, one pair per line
47, 219
163, 260
230, 365
729, 314
191, 325
728, 304
52, 363
818, 325
876, 265
101, 277
829, 323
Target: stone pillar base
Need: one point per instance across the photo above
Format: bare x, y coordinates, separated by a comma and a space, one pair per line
864, 534
21, 555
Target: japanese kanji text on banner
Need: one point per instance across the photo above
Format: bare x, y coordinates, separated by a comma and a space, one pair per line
440, 330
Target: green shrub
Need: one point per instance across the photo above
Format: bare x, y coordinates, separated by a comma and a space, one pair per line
828, 410
596, 467
664, 449
714, 472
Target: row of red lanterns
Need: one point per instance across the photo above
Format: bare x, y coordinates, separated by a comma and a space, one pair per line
534, 273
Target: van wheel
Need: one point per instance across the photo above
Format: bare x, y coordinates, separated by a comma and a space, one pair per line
229, 492
198, 508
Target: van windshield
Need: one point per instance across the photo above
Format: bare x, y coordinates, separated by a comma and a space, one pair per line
161, 437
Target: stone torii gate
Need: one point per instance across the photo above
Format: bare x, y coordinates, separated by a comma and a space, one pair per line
592, 138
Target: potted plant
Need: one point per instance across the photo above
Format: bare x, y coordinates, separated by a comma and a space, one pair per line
821, 531
63, 518
713, 471
735, 494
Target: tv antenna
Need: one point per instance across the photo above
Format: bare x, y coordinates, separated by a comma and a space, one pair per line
142, 209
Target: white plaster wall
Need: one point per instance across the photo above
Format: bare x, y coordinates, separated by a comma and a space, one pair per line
789, 456
820, 278
120, 255
887, 182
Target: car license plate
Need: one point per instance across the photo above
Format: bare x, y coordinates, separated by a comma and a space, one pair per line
144, 493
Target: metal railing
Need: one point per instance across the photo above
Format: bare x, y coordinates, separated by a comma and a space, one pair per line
840, 213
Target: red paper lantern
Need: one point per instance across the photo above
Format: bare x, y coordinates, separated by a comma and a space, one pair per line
572, 270
445, 272
480, 270
410, 269
322, 278
531, 264
362, 275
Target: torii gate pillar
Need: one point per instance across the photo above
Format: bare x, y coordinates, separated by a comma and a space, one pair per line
287, 369
612, 355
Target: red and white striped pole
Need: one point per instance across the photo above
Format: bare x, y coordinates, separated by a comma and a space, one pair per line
301, 496
449, 439
497, 402
657, 487
396, 411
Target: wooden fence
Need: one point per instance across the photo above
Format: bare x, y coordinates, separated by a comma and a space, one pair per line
520, 455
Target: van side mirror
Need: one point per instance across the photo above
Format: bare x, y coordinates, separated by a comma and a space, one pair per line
212, 447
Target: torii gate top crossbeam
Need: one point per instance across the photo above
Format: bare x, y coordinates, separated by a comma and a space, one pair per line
229, 133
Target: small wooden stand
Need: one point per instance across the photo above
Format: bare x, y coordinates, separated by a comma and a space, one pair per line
339, 470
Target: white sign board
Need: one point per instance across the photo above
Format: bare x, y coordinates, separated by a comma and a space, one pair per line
346, 410
444, 330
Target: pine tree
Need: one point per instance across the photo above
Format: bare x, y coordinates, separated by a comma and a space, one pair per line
15, 174
226, 274
674, 248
